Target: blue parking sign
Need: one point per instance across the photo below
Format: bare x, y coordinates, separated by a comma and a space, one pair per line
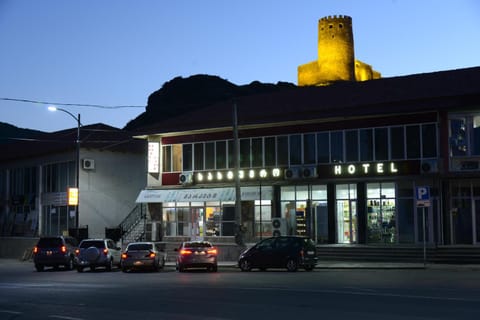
422, 195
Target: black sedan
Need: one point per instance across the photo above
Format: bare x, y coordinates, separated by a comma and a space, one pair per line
197, 254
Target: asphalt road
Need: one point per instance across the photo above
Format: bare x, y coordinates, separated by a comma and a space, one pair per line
231, 294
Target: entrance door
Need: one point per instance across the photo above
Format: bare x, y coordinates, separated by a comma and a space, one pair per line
347, 221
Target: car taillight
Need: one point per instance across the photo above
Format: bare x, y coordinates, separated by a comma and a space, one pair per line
77, 252
185, 252
105, 251
63, 249
35, 250
124, 256
212, 251
152, 255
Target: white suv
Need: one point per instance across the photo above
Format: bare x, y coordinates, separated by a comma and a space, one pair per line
97, 253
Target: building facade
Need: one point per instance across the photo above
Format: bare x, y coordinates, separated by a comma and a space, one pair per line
36, 175
340, 164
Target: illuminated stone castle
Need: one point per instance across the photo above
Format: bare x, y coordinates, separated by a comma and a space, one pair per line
336, 57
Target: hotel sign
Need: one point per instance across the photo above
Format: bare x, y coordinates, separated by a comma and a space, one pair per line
369, 169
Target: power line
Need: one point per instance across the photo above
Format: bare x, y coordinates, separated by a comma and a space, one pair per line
70, 104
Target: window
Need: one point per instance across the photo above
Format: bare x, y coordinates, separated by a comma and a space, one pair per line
257, 152
351, 145
210, 155
282, 151
323, 147
245, 153
198, 156
187, 156
397, 142
465, 135
270, 152
295, 149
429, 141
309, 148
231, 153
221, 154
167, 159
413, 142
366, 145
336, 144
381, 144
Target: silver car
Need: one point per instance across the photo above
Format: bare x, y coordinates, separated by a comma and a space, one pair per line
143, 255
95, 253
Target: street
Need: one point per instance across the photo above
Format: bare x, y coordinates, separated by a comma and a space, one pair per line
230, 294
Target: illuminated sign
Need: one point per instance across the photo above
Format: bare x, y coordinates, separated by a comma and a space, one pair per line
153, 157
378, 168
229, 175
72, 196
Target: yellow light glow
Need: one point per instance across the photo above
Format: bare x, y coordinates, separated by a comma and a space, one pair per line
241, 174
251, 174
219, 175
199, 177
263, 173
209, 176
230, 175
73, 196
276, 172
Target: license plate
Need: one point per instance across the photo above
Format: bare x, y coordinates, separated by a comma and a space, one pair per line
199, 252
310, 252
138, 263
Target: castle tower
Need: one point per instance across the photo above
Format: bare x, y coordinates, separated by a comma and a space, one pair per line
336, 58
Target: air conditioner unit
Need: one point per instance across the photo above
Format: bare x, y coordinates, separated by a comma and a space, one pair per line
309, 172
292, 173
279, 227
429, 166
88, 164
186, 178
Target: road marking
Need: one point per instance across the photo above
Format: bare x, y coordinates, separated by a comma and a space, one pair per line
10, 312
64, 317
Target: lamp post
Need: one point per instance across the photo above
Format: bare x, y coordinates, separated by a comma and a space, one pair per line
77, 159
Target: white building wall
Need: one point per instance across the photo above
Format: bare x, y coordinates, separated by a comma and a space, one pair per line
108, 192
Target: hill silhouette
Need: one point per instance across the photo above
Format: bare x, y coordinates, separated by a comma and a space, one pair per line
10, 133
182, 95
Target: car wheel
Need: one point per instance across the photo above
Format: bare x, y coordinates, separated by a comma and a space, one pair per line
292, 265
124, 269
92, 268
39, 267
109, 265
181, 268
69, 265
80, 269
245, 265
214, 268
308, 268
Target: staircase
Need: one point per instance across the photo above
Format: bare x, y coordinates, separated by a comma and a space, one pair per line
135, 226
441, 254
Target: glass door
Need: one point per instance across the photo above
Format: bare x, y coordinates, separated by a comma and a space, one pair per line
346, 205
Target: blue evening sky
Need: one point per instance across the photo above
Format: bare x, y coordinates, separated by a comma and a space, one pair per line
117, 52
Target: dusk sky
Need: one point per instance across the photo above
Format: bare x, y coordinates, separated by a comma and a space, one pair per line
117, 52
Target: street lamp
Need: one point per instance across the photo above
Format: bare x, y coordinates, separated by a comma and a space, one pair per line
77, 159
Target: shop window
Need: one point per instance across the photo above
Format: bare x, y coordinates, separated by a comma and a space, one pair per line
309, 148
465, 135
209, 155
282, 151
351, 145
413, 142
366, 145
257, 152
323, 147
198, 156
220, 154
336, 146
270, 152
381, 213
177, 152
397, 143
295, 149
187, 157
167, 159
381, 144
429, 141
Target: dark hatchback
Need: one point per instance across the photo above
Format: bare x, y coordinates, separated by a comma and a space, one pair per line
289, 252
197, 254
54, 252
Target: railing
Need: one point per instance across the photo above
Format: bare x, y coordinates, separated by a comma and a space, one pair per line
133, 219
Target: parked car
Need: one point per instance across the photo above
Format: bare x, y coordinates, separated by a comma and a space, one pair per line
54, 252
197, 254
143, 255
95, 253
289, 252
